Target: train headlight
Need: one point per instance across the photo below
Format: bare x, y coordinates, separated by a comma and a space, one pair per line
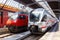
28, 23
39, 24
42, 25
14, 20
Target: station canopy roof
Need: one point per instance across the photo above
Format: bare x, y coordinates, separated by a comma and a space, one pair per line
30, 3
52, 3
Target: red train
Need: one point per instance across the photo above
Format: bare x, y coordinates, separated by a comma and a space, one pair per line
18, 22
3, 18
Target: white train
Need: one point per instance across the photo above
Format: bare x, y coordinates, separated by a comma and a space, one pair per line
40, 20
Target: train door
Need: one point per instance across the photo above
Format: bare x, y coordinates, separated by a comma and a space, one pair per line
1, 19
5, 17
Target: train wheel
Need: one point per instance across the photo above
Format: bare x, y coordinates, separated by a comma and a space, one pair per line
33, 29
23, 29
12, 29
26, 28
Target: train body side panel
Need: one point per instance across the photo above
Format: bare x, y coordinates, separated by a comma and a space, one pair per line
3, 18
22, 22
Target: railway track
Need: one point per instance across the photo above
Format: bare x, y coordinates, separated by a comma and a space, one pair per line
4, 31
22, 36
10, 36
37, 37
32, 37
6, 35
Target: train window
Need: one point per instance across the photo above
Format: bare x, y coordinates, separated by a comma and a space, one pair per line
1, 13
22, 17
44, 18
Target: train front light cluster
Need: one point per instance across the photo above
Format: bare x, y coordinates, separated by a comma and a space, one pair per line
42, 25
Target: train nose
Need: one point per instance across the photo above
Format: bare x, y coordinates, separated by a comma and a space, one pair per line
8, 22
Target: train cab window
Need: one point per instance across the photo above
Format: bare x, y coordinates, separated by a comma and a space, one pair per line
22, 17
44, 19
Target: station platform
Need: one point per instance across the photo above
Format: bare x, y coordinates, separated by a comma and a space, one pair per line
4, 30
52, 35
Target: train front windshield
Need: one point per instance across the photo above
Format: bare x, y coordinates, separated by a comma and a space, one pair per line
34, 17
35, 14
15, 15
